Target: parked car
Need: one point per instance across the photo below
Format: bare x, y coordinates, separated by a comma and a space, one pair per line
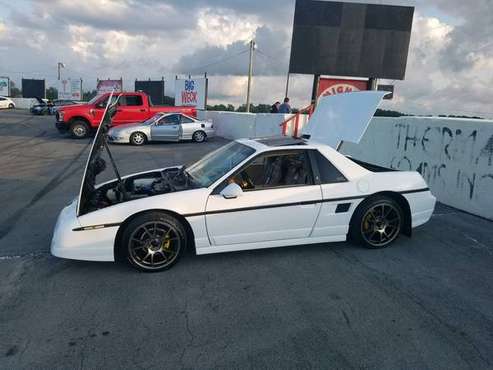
6, 103
80, 120
50, 107
248, 194
162, 127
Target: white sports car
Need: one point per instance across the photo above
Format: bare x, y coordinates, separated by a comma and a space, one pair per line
249, 194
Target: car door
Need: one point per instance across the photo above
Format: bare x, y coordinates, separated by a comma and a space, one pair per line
3, 102
280, 201
167, 128
188, 127
131, 109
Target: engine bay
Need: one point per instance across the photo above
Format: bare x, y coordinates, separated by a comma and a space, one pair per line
139, 186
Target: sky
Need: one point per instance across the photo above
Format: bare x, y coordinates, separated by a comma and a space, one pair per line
450, 63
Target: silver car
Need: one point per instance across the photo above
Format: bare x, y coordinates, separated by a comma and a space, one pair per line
162, 127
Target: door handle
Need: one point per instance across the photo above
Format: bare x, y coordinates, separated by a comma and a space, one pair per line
142, 110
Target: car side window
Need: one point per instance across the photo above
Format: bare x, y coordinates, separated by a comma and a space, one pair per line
276, 169
102, 103
329, 174
132, 101
2, 99
172, 119
186, 120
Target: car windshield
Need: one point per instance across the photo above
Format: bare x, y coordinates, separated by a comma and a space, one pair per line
153, 119
94, 100
218, 163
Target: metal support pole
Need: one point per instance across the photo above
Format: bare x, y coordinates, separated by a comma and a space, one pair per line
372, 83
287, 86
250, 73
316, 80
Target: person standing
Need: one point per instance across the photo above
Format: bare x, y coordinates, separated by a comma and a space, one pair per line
275, 107
285, 107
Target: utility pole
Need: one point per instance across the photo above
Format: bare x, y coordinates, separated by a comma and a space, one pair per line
250, 72
60, 65
287, 86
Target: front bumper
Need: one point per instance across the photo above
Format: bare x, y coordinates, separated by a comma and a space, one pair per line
86, 245
112, 138
61, 126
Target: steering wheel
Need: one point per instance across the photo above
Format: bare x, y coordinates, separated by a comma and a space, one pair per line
243, 180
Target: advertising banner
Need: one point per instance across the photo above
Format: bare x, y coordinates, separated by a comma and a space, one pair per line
107, 86
4, 86
191, 92
69, 89
333, 86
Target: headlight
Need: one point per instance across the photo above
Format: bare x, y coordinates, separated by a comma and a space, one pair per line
60, 115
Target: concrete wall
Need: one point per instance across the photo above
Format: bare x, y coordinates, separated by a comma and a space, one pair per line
24, 103
235, 125
455, 156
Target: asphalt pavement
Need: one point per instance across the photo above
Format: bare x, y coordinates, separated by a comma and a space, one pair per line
424, 303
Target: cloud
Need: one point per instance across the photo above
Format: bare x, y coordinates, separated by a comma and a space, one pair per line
449, 65
271, 56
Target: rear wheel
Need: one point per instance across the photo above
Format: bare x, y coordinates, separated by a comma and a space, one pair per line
138, 138
199, 136
377, 222
154, 241
11, 106
79, 129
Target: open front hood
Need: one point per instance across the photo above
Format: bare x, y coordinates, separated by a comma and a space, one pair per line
342, 117
95, 164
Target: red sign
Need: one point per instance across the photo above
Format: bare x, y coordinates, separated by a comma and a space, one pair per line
333, 86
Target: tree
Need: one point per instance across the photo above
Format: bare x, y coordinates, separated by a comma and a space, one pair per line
88, 95
51, 93
14, 91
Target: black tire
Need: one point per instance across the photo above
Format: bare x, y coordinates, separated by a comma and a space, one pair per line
153, 241
11, 106
138, 138
79, 129
377, 222
199, 136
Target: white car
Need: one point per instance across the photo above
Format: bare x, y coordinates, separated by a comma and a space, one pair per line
6, 103
249, 194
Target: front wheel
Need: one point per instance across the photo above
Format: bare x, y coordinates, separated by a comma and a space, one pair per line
11, 106
138, 138
199, 136
377, 222
154, 241
79, 129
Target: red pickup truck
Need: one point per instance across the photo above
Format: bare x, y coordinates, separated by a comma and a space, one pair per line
81, 119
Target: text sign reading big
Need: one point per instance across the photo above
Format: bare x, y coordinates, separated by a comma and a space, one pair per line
350, 39
191, 92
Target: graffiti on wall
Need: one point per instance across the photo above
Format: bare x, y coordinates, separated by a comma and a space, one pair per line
443, 155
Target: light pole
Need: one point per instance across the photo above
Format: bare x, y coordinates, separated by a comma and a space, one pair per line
250, 73
60, 65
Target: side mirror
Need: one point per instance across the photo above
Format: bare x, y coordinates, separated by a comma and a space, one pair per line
231, 191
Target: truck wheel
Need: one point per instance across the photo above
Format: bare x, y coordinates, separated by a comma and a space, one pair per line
199, 136
79, 129
377, 222
138, 138
154, 241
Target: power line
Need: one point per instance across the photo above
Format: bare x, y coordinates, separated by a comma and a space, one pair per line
218, 61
